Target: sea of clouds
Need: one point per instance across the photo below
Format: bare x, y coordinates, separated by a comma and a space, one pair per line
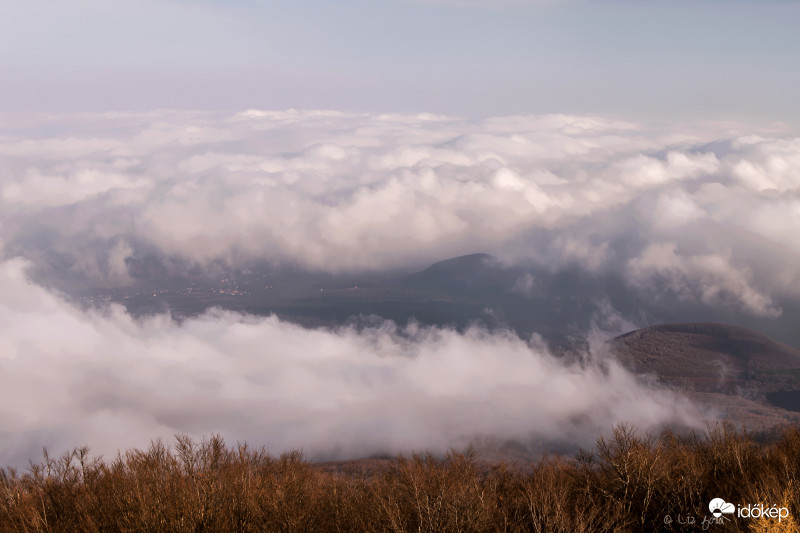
711, 210
703, 213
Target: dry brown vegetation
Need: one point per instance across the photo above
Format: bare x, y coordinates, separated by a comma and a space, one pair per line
707, 357
626, 483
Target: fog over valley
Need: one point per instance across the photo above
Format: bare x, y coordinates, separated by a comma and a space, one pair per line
359, 284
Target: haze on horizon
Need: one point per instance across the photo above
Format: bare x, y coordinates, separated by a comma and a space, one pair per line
700, 60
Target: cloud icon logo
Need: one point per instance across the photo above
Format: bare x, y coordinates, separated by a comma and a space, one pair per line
718, 507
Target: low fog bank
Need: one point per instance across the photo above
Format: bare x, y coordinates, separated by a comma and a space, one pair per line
104, 379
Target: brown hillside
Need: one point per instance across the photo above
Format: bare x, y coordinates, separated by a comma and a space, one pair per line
741, 372
708, 357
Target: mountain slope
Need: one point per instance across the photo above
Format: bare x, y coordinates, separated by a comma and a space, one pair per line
734, 369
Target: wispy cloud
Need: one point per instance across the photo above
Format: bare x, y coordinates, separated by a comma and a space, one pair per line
104, 379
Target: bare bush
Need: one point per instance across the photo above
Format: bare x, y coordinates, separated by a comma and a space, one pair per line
628, 482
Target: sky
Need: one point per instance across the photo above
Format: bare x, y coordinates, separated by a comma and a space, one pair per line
654, 142
645, 59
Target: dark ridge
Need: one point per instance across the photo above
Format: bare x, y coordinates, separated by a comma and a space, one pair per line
474, 276
459, 265
737, 341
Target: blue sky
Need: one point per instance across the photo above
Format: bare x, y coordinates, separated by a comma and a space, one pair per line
644, 59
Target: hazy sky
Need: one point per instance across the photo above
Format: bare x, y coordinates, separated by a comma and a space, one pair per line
644, 59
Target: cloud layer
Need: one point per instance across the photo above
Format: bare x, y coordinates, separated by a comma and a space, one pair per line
703, 212
102, 378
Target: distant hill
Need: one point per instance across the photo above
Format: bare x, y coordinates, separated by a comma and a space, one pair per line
469, 275
732, 368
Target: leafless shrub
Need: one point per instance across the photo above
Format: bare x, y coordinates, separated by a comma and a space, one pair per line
628, 482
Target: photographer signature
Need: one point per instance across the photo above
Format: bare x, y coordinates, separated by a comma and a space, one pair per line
690, 520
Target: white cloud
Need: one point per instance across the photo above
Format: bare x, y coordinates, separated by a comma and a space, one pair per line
708, 277
676, 208
37, 190
349, 191
642, 171
767, 164
104, 379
